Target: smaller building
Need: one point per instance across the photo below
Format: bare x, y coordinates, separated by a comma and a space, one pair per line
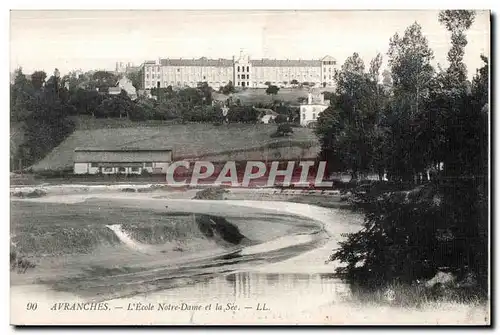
266, 115
310, 111
121, 160
126, 84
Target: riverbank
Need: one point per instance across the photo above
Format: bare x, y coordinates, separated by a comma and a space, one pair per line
298, 289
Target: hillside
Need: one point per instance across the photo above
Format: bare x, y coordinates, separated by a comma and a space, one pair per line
188, 141
253, 96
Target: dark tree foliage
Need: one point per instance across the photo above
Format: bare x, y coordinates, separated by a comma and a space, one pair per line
43, 114
284, 129
116, 106
272, 90
228, 88
245, 114
428, 133
281, 118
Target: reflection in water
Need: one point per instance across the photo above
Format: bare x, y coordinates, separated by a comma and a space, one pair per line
254, 286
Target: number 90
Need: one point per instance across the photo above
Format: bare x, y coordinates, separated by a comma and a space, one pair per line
31, 306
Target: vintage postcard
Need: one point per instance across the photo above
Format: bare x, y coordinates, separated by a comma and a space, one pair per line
250, 167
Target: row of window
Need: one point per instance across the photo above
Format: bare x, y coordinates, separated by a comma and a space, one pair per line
239, 68
259, 71
243, 69
185, 83
313, 116
194, 69
247, 76
153, 69
329, 62
292, 76
146, 164
121, 169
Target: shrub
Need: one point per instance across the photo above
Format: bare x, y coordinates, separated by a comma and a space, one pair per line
20, 263
284, 129
280, 119
37, 193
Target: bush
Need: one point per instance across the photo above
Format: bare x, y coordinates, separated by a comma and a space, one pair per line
20, 263
33, 194
211, 194
280, 119
411, 235
145, 173
284, 129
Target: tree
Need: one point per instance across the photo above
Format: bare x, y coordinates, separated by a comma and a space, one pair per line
281, 118
411, 232
245, 114
117, 107
347, 129
228, 88
205, 92
103, 80
272, 90
412, 75
45, 121
294, 82
457, 22
284, 129
38, 79
387, 81
136, 79
267, 83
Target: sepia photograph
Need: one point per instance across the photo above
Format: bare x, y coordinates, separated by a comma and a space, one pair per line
250, 167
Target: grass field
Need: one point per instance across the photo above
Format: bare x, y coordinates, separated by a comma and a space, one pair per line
253, 96
187, 141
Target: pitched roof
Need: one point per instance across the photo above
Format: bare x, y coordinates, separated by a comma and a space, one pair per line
328, 58
284, 62
203, 61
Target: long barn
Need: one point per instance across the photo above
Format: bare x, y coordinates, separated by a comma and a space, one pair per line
121, 160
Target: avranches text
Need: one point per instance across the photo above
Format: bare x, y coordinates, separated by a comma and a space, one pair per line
80, 306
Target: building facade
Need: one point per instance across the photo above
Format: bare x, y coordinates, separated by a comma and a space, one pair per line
310, 111
124, 68
121, 160
242, 71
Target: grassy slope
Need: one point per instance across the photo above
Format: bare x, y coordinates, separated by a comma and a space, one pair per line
254, 96
186, 140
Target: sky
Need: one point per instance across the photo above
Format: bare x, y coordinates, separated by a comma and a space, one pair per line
86, 40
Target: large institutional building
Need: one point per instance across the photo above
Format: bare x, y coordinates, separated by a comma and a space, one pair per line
242, 71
